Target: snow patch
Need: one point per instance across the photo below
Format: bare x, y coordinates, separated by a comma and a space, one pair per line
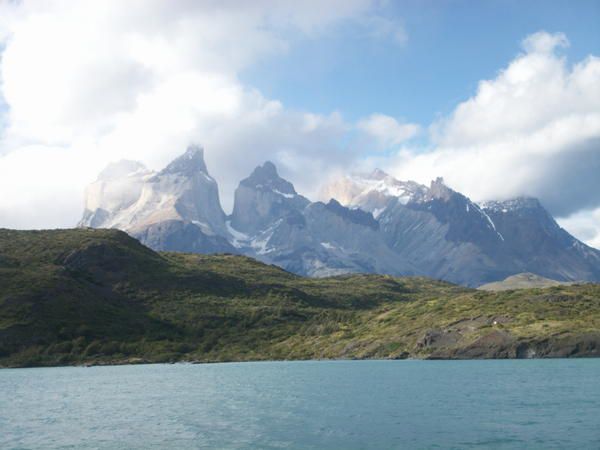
207, 177
206, 229
283, 194
260, 242
490, 222
239, 238
377, 212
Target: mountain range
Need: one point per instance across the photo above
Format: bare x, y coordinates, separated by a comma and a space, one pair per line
373, 223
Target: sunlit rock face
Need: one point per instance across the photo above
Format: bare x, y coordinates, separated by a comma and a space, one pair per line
118, 187
177, 208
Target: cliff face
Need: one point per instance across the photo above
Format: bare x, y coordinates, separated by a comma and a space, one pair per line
175, 209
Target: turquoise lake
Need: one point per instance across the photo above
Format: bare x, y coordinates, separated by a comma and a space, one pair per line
533, 404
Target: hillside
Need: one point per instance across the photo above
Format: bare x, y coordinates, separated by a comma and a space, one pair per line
522, 281
98, 296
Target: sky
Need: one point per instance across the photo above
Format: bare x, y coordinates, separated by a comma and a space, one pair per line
501, 98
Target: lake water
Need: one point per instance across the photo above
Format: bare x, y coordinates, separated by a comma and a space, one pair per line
529, 404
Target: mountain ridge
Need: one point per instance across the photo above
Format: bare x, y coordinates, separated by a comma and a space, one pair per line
372, 223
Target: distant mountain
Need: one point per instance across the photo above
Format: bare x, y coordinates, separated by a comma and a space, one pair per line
373, 192
522, 281
263, 198
373, 223
446, 235
271, 222
176, 209
536, 243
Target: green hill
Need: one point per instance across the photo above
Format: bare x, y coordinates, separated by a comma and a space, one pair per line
98, 296
522, 281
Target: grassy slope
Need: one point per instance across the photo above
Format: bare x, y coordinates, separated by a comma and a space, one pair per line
522, 281
98, 296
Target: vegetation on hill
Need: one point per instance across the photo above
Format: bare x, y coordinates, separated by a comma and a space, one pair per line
88, 296
522, 281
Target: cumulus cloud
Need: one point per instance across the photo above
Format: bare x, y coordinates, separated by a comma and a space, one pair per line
532, 130
70, 68
387, 130
90, 82
41, 186
585, 224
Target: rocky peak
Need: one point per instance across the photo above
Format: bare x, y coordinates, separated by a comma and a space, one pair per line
118, 186
266, 178
439, 190
134, 199
378, 174
263, 198
373, 192
525, 219
521, 209
188, 164
512, 205
265, 172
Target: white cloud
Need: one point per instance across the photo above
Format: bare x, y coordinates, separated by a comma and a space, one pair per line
70, 68
585, 225
41, 186
543, 42
387, 130
532, 130
90, 82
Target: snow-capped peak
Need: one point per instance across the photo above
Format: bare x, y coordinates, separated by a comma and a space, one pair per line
373, 191
265, 178
378, 174
513, 204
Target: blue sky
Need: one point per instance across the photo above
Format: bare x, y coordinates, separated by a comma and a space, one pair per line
450, 47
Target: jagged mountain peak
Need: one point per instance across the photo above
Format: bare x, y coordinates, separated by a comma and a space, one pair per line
266, 170
182, 193
117, 187
438, 189
378, 174
188, 164
513, 204
373, 191
263, 198
266, 178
